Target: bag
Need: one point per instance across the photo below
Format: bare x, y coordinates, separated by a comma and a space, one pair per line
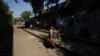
58, 38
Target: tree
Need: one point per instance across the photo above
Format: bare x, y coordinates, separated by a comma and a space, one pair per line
25, 15
15, 20
20, 19
5, 16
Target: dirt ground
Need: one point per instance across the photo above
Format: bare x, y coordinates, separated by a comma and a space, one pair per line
25, 44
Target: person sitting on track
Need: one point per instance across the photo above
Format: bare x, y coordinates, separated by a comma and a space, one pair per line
52, 36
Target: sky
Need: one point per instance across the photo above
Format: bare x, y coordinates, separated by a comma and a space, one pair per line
19, 7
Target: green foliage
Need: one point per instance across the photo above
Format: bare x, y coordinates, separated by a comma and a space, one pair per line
14, 20
25, 15
5, 15
19, 19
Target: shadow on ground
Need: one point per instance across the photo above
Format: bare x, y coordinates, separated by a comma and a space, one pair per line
22, 27
48, 45
6, 42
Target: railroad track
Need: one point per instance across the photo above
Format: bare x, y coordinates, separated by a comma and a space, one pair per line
73, 52
80, 39
66, 51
